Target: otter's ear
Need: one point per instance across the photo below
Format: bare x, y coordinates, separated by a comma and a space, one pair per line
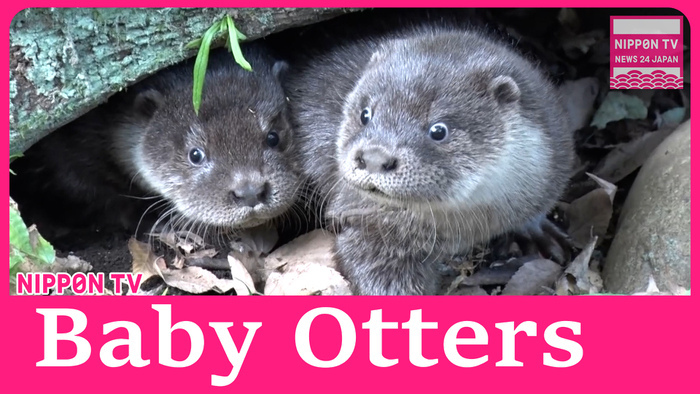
376, 56
379, 54
147, 102
279, 69
504, 89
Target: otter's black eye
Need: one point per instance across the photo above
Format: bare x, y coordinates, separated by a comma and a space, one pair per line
196, 156
438, 131
366, 116
273, 139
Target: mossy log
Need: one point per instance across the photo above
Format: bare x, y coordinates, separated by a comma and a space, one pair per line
66, 61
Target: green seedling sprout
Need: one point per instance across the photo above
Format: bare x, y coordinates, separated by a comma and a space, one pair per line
26, 246
12, 157
233, 36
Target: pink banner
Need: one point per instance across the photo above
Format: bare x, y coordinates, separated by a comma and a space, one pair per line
315, 344
607, 344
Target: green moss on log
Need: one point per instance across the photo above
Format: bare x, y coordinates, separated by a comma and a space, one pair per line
66, 61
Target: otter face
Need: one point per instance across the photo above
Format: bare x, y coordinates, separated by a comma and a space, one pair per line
227, 166
422, 129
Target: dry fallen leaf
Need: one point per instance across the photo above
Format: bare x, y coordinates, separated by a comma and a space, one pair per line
178, 261
251, 246
143, 261
199, 258
194, 280
258, 240
497, 273
653, 289
307, 279
627, 157
610, 189
184, 241
533, 278
579, 97
305, 266
243, 282
188, 241
590, 214
314, 247
579, 278
197, 280
203, 253
470, 291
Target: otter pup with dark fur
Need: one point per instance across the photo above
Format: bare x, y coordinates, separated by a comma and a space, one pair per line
146, 147
422, 143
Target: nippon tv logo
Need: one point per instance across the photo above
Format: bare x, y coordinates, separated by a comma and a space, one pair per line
646, 52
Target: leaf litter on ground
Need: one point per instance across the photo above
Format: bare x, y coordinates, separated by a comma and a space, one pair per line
534, 278
579, 277
188, 278
590, 214
305, 266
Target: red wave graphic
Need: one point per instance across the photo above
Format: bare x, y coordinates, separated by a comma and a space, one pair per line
657, 79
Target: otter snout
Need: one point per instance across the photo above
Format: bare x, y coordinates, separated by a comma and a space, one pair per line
250, 192
375, 160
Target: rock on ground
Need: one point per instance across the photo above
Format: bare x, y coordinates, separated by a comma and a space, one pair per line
653, 236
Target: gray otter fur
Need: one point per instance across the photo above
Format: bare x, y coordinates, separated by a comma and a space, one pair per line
138, 144
403, 200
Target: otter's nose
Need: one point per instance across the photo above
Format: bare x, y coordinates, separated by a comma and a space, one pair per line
250, 193
375, 160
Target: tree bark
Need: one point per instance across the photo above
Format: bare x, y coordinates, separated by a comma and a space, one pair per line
66, 61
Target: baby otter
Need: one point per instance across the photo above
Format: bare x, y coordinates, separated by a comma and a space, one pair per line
423, 143
226, 167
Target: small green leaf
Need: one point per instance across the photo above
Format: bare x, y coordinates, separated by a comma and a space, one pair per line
43, 251
235, 47
194, 44
19, 235
16, 257
227, 42
200, 65
27, 245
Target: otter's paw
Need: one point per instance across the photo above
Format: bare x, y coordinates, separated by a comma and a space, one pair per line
542, 236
